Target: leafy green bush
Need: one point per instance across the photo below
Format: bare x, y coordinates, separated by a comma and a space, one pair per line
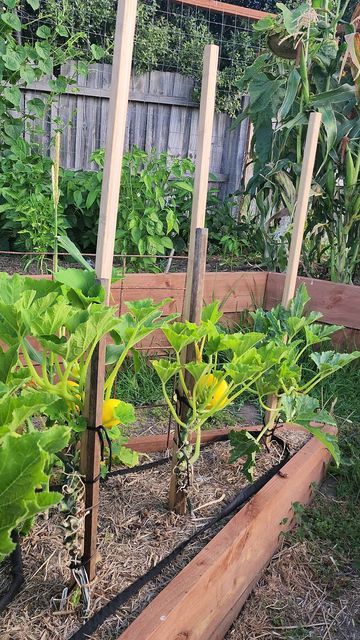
27, 215
155, 193
42, 389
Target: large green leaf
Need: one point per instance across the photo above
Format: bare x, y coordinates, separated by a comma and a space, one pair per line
16, 410
290, 95
239, 343
165, 369
244, 445
181, 334
330, 361
343, 93
330, 125
305, 411
125, 413
7, 360
24, 479
73, 251
82, 286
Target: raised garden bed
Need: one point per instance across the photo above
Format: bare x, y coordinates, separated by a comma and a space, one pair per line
136, 531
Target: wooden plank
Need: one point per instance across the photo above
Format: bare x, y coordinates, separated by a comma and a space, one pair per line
120, 85
203, 152
158, 442
90, 456
90, 445
236, 290
301, 208
177, 493
227, 8
339, 303
226, 569
97, 92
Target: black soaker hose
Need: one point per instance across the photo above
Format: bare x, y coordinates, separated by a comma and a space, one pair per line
17, 571
121, 598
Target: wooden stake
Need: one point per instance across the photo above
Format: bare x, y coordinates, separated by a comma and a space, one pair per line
90, 456
203, 153
301, 210
120, 85
177, 496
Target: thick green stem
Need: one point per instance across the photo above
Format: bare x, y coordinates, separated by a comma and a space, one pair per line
172, 409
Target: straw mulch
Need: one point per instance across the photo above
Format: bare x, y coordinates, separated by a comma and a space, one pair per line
136, 530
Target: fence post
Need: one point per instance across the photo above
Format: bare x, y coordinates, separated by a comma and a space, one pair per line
301, 208
120, 85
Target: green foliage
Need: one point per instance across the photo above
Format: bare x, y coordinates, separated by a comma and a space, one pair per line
285, 89
274, 359
166, 40
67, 318
332, 525
155, 192
244, 444
24, 60
138, 382
26, 205
31, 49
25, 464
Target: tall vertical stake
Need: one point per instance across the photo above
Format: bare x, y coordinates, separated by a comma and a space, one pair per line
120, 85
301, 210
177, 496
177, 499
202, 163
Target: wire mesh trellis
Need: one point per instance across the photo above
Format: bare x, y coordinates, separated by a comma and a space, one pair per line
170, 38
163, 108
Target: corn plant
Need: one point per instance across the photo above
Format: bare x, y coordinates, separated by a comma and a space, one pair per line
307, 67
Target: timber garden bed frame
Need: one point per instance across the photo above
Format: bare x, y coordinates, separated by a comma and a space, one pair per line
205, 598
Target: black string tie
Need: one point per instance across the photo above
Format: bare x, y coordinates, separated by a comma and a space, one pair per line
103, 436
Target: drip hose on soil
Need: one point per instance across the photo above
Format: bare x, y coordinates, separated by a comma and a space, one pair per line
17, 571
121, 598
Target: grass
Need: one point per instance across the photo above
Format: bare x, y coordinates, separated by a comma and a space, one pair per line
138, 382
333, 519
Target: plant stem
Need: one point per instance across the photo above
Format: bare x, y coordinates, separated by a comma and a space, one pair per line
171, 407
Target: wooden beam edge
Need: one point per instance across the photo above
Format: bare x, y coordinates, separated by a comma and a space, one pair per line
227, 8
225, 571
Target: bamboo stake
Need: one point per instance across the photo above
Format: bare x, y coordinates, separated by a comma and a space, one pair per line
300, 215
120, 85
177, 495
203, 153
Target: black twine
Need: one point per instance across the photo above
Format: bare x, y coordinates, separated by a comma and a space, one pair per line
103, 435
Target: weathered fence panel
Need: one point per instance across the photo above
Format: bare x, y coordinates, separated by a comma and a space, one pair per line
162, 115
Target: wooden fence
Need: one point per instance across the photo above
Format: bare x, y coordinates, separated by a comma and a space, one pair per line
162, 114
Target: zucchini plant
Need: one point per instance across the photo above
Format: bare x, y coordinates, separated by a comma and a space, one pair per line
270, 360
49, 331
